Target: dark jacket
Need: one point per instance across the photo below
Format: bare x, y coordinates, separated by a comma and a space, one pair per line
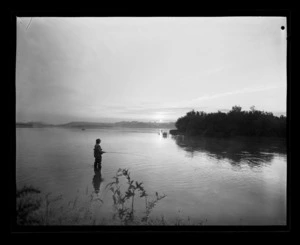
97, 151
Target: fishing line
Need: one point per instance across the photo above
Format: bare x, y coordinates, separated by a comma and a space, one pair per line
127, 153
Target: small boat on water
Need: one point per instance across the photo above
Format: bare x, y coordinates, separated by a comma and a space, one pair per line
83, 129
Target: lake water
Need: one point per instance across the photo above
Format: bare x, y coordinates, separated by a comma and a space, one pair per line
215, 181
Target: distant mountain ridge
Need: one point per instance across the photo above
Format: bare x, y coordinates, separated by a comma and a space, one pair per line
136, 124
84, 124
32, 125
124, 124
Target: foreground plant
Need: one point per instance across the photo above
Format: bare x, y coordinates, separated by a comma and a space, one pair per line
124, 202
27, 204
35, 208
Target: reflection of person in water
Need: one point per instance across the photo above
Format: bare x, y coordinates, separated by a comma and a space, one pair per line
97, 178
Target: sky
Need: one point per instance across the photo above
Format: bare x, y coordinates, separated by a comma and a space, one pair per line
109, 69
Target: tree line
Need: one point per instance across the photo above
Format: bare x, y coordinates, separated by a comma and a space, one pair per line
234, 123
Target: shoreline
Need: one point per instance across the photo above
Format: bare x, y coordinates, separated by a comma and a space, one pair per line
235, 137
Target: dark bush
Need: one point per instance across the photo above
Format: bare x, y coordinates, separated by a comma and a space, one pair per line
234, 123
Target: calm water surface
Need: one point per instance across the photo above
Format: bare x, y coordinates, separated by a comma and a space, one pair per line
220, 182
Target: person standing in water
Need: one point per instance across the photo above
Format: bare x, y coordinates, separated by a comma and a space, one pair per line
98, 154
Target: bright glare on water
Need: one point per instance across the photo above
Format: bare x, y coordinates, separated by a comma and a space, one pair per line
215, 181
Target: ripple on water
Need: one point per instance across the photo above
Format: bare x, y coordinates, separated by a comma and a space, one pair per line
211, 178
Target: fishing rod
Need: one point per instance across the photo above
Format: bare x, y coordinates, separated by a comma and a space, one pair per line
116, 152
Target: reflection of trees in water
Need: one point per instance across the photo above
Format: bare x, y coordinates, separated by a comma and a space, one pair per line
254, 152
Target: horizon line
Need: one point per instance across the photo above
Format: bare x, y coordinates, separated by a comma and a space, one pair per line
166, 122
277, 114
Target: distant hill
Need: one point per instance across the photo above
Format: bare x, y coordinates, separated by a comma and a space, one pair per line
123, 124
23, 125
136, 124
32, 125
85, 125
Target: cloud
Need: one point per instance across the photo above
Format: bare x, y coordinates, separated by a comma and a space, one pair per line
149, 113
128, 68
240, 91
148, 110
142, 112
